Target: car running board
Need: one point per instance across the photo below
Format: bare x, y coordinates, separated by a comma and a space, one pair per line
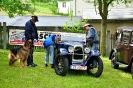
123, 65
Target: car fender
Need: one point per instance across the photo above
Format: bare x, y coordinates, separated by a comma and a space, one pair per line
63, 51
95, 53
113, 50
130, 64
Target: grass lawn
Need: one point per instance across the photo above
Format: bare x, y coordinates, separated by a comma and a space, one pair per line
45, 77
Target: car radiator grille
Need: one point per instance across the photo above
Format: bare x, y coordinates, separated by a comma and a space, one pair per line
78, 53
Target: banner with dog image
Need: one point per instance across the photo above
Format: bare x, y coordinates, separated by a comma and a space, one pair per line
16, 37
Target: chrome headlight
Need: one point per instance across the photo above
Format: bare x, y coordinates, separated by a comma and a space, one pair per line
71, 49
86, 50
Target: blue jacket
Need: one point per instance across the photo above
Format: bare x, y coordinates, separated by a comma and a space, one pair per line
30, 31
92, 36
49, 41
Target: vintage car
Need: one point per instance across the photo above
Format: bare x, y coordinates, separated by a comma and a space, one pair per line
71, 53
122, 53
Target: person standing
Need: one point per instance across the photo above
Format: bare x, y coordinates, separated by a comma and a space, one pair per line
91, 36
30, 35
49, 45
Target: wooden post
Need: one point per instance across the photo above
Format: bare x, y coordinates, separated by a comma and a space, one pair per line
4, 35
56, 29
99, 34
108, 46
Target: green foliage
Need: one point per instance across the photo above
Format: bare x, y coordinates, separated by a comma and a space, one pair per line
54, 6
64, 0
12, 7
74, 26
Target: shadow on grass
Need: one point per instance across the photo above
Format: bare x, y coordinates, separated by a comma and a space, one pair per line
124, 69
77, 72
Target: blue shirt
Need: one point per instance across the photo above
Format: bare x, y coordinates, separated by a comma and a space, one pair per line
49, 41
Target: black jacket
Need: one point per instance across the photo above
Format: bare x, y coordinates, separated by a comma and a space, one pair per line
30, 31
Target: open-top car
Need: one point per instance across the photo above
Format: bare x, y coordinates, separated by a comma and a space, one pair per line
71, 52
122, 53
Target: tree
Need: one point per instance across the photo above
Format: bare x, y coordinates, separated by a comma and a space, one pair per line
14, 7
103, 8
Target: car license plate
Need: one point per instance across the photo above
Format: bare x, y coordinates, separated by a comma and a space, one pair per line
78, 67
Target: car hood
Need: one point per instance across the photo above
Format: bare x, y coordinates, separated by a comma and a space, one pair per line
74, 43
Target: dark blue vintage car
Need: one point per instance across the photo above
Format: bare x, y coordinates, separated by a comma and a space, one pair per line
71, 53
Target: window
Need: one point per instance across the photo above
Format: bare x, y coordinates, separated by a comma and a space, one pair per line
132, 38
64, 4
118, 36
125, 37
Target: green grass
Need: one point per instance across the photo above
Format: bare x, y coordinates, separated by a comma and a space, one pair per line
42, 9
45, 77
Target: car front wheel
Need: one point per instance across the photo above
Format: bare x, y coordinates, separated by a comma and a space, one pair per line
95, 67
61, 65
113, 61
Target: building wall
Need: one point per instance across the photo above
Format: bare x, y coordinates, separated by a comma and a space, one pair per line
65, 9
82, 4
112, 26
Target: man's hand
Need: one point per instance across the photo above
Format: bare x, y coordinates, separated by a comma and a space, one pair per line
30, 40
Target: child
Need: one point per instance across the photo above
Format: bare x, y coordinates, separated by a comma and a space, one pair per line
49, 45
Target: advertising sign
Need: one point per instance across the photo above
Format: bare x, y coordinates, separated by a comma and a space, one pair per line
16, 37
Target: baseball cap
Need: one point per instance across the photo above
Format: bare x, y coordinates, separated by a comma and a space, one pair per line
35, 18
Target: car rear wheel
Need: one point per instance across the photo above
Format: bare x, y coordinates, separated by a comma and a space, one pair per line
113, 61
61, 65
95, 67
132, 70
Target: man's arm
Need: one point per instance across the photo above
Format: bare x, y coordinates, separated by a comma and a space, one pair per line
92, 33
27, 31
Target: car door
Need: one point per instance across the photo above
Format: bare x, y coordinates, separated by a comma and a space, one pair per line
123, 48
130, 53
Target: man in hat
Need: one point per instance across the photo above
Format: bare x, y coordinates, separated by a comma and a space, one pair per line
30, 35
91, 36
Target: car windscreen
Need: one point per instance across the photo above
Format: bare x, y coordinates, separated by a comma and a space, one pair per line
78, 37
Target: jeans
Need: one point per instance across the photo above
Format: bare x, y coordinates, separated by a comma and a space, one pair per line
49, 51
94, 46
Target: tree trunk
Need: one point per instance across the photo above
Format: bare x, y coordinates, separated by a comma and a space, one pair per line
103, 37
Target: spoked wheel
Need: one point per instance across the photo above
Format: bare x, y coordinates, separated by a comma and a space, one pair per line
113, 61
95, 67
61, 65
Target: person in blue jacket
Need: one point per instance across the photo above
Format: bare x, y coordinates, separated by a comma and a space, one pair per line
49, 45
30, 35
91, 36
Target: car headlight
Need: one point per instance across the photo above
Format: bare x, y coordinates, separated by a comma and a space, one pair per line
86, 50
71, 49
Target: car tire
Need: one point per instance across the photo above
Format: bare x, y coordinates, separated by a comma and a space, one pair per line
132, 70
61, 65
95, 67
113, 61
